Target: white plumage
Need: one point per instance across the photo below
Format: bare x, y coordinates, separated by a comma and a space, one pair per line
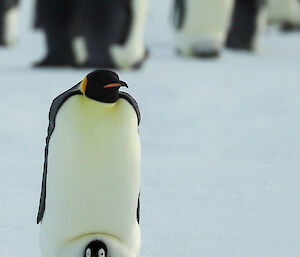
205, 26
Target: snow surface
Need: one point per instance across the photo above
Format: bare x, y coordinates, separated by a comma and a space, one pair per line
220, 138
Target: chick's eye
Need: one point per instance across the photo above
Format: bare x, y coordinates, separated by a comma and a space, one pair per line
101, 253
88, 252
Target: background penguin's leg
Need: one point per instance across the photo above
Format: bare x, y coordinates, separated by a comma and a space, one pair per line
201, 26
8, 22
129, 50
249, 21
57, 32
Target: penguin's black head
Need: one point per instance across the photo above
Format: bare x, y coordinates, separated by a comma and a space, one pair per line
95, 249
102, 86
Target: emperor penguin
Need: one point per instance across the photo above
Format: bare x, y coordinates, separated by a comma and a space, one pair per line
89, 205
201, 26
249, 22
8, 22
113, 35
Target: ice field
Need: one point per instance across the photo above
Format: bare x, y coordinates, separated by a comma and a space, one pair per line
220, 145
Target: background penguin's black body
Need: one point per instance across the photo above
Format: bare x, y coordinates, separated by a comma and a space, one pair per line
100, 24
245, 24
108, 23
5, 6
55, 18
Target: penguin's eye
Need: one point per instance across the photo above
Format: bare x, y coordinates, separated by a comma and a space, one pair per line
101, 253
88, 253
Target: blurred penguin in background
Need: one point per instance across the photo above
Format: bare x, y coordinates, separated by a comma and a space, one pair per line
8, 22
248, 25
54, 17
95, 33
111, 33
201, 26
285, 13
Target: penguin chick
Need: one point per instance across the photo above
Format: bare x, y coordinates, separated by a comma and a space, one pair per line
95, 249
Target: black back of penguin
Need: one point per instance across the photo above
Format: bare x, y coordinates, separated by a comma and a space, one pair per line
244, 24
54, 12
103, 23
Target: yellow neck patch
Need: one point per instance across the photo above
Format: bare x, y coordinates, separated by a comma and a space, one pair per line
83, 85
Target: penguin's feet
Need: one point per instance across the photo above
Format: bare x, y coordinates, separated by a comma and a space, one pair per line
4, 42
239, 43
139, 64
288, 27
207, 55
201, 54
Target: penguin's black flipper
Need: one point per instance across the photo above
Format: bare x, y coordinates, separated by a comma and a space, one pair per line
179, 13
56, 104
138, 211
133, 103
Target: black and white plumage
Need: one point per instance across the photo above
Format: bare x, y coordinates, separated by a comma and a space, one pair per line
113, 35
248, 24
201, 26
105, 34
91, 179
8, 22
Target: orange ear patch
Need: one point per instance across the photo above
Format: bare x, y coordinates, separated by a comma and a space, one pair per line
83, 85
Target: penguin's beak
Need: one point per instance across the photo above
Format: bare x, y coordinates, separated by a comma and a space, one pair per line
118, 84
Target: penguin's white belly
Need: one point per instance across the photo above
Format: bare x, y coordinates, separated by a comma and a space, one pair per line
93, 179
205, 26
